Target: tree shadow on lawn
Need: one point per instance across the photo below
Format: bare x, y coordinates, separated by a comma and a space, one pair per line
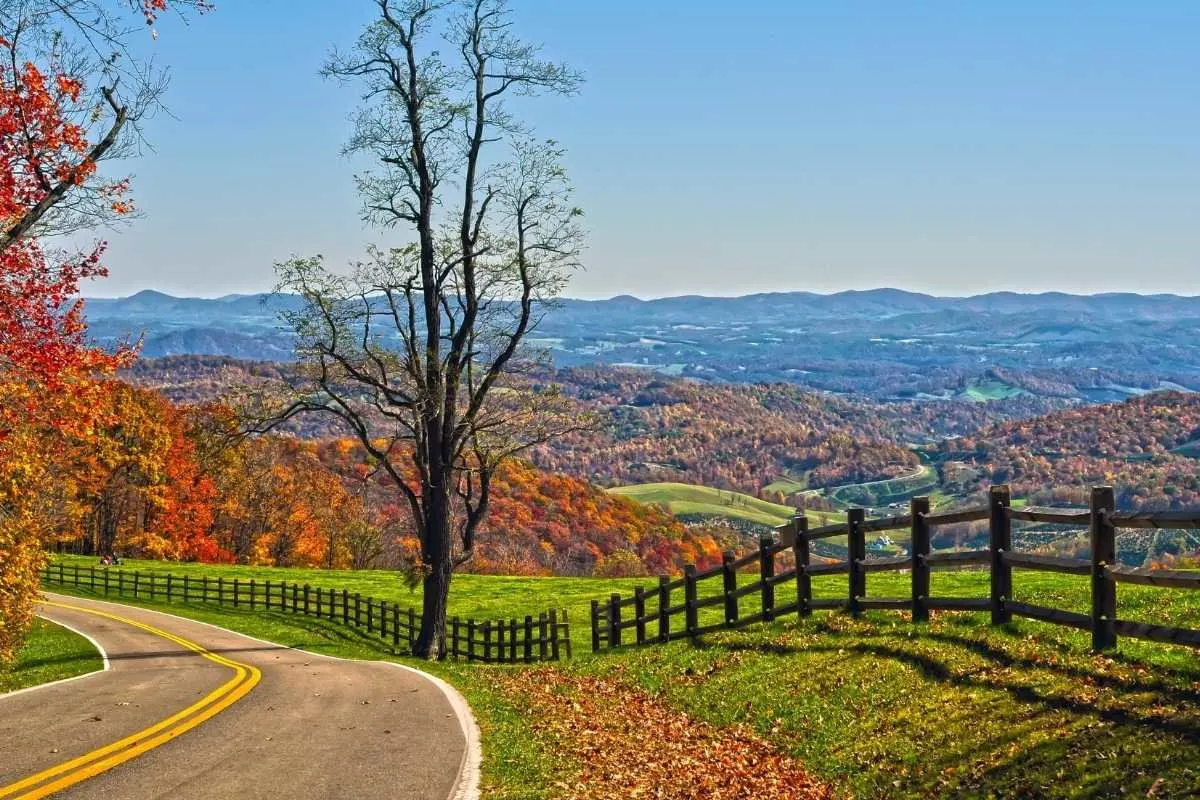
1074, 725
28, 665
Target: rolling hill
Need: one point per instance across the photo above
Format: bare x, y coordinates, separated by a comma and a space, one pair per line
885, 343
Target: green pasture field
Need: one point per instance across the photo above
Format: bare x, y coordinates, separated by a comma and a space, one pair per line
683, 499
878, 707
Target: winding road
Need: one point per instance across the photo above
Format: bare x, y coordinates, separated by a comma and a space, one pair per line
187, 710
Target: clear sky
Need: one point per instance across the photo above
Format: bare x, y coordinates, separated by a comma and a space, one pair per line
730, 147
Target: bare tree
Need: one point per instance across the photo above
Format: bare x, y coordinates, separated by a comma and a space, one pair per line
417, 349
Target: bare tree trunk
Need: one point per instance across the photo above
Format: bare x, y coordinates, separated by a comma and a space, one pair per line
431, 644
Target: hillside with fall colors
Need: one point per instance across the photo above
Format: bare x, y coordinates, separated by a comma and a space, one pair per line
156, 480
1139, 446
775, 441
650, 428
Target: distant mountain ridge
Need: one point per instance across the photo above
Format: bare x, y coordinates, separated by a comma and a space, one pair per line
880, 342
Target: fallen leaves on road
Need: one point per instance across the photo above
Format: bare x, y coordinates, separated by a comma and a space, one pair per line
629, 745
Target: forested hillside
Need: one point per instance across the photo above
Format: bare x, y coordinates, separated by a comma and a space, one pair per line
649, 427
1139, 446
157, 480
722, 435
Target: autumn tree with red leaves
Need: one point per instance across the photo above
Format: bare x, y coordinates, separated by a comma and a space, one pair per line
71, 96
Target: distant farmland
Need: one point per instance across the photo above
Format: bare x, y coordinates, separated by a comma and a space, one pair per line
687, 500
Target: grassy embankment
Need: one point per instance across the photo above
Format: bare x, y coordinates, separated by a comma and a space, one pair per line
51, 653
872, 493
875, 706
687, 500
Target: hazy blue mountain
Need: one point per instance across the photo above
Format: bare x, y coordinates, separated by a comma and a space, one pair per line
882, 342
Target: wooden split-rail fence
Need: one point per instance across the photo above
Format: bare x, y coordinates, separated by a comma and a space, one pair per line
546, 637
661, 615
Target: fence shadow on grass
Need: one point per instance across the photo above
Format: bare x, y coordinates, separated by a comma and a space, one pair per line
1109, 731
1133, 706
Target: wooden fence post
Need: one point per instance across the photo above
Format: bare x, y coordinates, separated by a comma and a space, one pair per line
120, 582
220, 590
528, 639
487, 643
136, 580
168, 587
412, 630
595, 626
566, 629
1104, 553
856, 546
664, 602
691, 613
542, 622
766, 571
919, 550
554, 634
395, 626
729, 588
252, 589
639, 614
803, 579
500, 639
614, 620
470, 640
237, 586
1000, 530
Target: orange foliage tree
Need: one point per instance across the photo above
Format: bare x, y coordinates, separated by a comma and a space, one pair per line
53, 134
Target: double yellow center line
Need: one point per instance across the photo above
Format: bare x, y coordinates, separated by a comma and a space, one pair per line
69, 773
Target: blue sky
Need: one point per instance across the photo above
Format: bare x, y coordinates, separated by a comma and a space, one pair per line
728, 148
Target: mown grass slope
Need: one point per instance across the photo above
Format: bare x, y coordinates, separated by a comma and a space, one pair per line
685, 499
51, 653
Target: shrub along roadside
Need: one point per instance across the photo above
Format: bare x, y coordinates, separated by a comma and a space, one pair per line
876, 707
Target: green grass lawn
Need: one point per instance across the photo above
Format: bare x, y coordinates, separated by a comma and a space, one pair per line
788, 485
51, 653
876, 706
684, 499
472, 596
991, 389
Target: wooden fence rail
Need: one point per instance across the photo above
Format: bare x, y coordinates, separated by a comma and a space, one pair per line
657, 612
544, 638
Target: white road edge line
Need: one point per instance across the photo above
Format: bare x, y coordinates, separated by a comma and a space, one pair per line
472, 761
103, 655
